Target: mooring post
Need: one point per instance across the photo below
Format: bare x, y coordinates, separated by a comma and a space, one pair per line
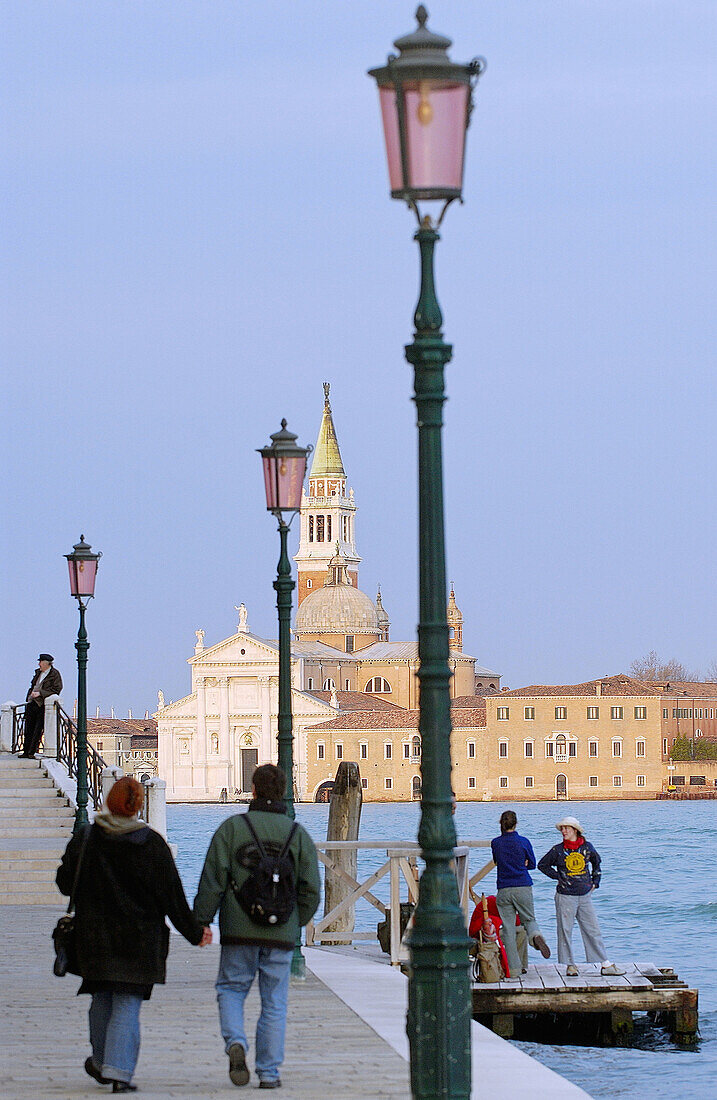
686, 1018
344, 820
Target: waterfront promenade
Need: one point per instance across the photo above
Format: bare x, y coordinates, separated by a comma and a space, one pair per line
346, 1031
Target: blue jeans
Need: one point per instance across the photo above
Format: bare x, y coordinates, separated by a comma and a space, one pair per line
238, 965
114, 1033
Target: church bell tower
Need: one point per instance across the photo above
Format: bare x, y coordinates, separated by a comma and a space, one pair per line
327, 513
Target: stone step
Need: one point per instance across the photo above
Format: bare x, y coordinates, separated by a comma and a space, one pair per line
31, 887
42, 820
17, 867
47, 897
31, 856
35, 874
52, 832
15, 764
41, 798
24, 782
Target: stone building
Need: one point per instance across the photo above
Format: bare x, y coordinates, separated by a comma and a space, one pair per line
126, 743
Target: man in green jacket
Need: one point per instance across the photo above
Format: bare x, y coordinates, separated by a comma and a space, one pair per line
248, 948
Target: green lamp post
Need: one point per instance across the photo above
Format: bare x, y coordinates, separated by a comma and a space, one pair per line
284, 466
82, 564
426, 102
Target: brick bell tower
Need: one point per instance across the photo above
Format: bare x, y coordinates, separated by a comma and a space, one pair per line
327, 513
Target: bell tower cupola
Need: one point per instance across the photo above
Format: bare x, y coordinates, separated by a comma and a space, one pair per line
455, 623
327, 512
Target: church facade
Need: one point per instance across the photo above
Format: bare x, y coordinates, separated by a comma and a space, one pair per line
342, 656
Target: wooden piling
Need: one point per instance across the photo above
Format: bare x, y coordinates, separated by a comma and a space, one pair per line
344, 821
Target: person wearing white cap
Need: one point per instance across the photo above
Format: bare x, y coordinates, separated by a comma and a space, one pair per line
575, 866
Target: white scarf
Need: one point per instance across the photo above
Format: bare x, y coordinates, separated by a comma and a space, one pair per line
116, 824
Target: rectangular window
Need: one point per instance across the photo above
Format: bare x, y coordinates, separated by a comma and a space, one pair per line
549, 748
503, 750
665, 712
593, 781
529, 781
364, 783
593, 713
561, 713
471, 782
406, 751
678, 780
698, 781
347, 685
529, 714
503, 781
320, 751
387, 751
641, 712
528, 750
616, 712
388, 783
640, 780
617, 748
364, 751
690, 713
100, 745
319, 528
592, 748
328, 528
665, 747
349, 643
503, 714
674, 712
640, 748
339, 751
311, 528
617, 780
471, 750
572, 748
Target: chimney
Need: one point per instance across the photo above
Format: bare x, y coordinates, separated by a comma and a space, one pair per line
129, 713
112, 712
598, 688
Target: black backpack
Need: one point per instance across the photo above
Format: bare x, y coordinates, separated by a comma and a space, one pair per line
268, 893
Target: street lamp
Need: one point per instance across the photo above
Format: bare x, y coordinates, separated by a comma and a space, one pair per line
426, 102
82, 565
284, 466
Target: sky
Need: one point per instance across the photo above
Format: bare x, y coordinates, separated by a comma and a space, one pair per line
197, 232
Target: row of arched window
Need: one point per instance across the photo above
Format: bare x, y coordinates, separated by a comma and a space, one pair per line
377, 685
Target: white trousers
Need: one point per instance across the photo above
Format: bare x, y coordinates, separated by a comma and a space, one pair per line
567, 908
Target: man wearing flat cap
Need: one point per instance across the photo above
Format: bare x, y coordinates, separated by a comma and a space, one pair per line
45, 681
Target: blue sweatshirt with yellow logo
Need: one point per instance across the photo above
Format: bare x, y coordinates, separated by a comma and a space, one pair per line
575, 869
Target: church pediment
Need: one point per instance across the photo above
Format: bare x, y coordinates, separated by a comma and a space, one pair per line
240, 649
181, 708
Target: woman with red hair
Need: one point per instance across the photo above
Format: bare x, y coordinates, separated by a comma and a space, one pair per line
127, 883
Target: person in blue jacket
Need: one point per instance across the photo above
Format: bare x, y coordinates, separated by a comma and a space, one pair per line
514, 857
575, 865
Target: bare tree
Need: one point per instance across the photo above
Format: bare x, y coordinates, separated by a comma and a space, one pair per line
653, 667
711, 673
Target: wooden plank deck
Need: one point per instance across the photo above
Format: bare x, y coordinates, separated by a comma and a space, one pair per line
591, 1004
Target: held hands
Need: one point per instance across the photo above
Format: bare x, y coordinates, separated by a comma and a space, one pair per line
206, 937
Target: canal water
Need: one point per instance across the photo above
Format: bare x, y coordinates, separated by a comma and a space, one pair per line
657, 903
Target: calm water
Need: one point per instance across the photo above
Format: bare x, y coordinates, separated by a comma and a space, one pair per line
657, 903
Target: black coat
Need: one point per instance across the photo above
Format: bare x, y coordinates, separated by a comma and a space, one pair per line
127, 885
51, 685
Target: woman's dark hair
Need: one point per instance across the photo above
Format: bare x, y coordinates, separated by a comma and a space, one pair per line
508, 821
269, 782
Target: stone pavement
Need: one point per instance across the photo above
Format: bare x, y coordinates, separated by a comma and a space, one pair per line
330, 1050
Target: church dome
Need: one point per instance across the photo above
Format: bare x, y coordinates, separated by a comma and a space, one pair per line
337, 608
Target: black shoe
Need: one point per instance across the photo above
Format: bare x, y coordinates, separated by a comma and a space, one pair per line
93, 1071
123, 1086
238, 1069
276, 1084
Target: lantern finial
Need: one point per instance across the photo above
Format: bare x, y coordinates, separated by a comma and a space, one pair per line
421, 15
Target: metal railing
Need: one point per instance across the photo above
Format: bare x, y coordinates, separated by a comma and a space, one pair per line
18, 727
66, 750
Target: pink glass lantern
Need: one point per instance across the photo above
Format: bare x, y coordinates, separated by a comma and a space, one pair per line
284, 466
82, 565
425, 106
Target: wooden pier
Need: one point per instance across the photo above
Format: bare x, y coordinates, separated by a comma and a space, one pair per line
547, 1006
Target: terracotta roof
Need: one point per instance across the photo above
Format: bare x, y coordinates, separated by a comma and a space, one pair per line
122, 727
611, 686
355, 700
397, 718
706, 689
469, 701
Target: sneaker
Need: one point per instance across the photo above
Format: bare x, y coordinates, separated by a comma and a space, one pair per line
541, 945
611, 970
238, 1069
274, 1084
572, 971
